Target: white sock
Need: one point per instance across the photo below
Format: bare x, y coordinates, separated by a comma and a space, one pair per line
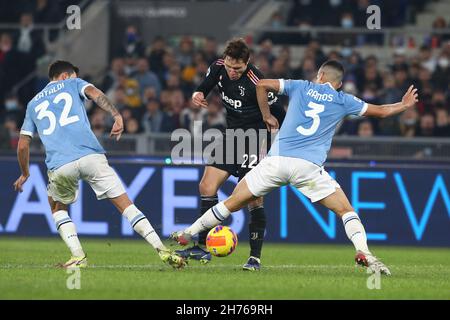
209, 219
355, 231
68, 232
141, 225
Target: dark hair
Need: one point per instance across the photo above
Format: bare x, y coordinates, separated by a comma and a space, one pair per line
60, 66
337, 67
237, 49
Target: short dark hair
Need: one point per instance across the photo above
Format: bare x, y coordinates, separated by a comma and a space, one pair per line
60, 66
237, 49
335, 66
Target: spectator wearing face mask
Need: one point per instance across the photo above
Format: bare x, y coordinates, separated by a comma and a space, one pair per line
29, 41
132, 45
408, 122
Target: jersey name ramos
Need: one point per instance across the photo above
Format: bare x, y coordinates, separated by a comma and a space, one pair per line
314, 112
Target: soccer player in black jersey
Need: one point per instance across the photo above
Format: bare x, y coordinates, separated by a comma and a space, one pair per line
236, 81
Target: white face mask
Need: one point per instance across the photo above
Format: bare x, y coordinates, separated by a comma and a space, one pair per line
443, 63
11, 105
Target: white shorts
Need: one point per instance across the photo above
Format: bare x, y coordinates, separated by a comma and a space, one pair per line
94, 169
275, 171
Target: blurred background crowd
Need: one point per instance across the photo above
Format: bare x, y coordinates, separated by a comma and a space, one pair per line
151, 83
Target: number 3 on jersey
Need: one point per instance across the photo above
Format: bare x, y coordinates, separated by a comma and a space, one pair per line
314, 114
64, 120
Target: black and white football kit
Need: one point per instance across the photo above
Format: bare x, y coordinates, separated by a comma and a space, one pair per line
239, 99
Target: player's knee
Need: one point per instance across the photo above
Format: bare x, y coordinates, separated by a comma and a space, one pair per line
255, 203
206, 189
343, 209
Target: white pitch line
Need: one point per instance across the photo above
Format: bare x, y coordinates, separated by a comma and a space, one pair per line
211, 266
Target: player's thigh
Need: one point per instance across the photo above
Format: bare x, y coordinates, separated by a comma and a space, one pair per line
311, 180
337, 202
63, 183
270, 173
105, 182
211, 181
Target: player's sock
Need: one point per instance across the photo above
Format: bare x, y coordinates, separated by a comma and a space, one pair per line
207, 202
68, 232
257, 227
141, 225
214, 216
355, 231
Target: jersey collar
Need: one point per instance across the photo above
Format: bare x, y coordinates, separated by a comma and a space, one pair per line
330, 85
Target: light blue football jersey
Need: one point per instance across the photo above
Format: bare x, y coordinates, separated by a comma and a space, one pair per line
311, 119
58, 115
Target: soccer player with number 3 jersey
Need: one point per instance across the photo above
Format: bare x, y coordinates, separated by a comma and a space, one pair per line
300, 150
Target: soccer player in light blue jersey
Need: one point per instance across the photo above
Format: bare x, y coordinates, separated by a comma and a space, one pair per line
57, 114
300, 150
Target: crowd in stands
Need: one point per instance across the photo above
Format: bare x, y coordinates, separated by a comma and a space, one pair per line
151, 84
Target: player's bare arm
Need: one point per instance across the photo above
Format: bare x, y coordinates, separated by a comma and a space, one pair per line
103, 102
262, 89
386, 110
23, 156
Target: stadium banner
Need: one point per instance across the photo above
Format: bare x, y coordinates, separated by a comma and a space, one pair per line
399, 204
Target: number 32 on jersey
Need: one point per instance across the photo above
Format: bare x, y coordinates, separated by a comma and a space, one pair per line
64, 120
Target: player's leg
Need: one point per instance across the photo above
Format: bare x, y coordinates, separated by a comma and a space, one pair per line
137, 220
62, 190
338, 203
240, 197
107, 185
267, 175
213, 178
256, 228
209, 185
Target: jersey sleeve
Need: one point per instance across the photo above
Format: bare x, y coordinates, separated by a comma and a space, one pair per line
271, 97
211, 79
28, 126
288, 86
354, 105
81, 86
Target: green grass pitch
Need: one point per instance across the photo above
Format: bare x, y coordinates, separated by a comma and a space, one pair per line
128, 269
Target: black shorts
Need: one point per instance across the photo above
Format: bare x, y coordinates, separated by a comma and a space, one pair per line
240, 150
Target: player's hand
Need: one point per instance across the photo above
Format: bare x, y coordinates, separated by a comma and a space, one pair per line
271, 123
199, 99
411, 97
117, 127
20, 182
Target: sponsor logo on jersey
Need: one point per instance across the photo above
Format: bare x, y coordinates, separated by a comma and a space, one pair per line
234, 103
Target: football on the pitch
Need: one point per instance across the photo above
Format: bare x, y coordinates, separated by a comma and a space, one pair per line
221, 241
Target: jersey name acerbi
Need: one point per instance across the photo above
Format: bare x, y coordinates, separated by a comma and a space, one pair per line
319, 97
234, 103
